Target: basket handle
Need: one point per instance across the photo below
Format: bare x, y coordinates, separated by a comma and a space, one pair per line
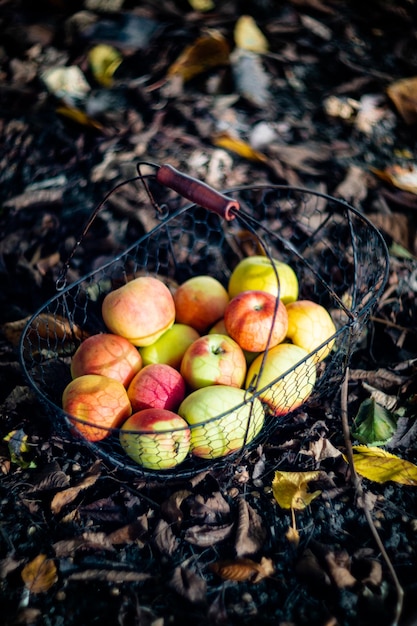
197, 191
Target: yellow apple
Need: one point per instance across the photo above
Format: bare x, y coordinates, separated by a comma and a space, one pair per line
281, 389
157, 439
220, 417
309, 326
170, 346
257, 272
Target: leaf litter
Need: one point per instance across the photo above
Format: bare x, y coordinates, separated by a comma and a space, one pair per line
216, 548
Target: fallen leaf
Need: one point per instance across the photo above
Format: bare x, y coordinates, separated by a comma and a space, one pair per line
292, 535
129, 533
207, 535
251, 80
250, 533
373, 424
205, 53
381, 466
164, 538
404, 178
188, 583
243, 569
67, 496
248, 36
78, 116
240, 147
104, 61
403, 94
88, 541
202, 5
19, 448
40, 574
290, 489
338, 566
112, 576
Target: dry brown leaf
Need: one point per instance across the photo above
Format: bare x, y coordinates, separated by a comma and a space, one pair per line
403, 94
164, 538
401, 177
207, 535
354, 187
129, 533
67, 496
88, 541
40, 574
398, 226
206, 52
250, 534
243, 569
339, 569
171, 507
292, 535
189, 584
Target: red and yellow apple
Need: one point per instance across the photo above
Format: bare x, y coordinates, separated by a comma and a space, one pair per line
256, 320
200, 301
222, 419
98, 403
220, 328
309, 326
156, 386
157, 439
284, 377
170, 346
107, 355
260, 273
213, 359
141, 311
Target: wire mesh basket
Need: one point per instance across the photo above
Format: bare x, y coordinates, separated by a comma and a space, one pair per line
340, 260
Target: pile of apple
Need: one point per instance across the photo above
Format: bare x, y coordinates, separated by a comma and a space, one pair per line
177, 370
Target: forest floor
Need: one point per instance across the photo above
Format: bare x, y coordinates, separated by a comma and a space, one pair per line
320, 106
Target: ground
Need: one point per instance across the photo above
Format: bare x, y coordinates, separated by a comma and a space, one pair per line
85, 542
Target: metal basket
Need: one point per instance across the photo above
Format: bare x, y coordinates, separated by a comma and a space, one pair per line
340, 259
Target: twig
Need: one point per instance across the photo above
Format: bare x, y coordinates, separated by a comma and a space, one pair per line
361, 494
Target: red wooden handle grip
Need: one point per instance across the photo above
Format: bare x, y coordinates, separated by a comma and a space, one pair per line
198, 192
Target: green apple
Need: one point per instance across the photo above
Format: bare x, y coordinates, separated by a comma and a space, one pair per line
257, 273
213, 359
284, 379
170, 347
222, 419
157, 439
309, 326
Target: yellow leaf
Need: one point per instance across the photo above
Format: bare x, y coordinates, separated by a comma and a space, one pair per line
40, 574
202, 5
79, 116
404, 178
290, 489
248, 36
243, 149
381, 466
104, 61
206, 52
292, 535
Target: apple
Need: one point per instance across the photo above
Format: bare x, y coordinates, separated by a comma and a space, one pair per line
200, 301
220, 328
170, 346
98, 403
108, 355
157, 439
157, 386
141, 311
257, 273
281, 389
309, 326
256, 320
222, 419
213, 359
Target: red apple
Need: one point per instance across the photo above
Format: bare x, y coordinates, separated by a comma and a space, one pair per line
108, 355
284, 379
256, 320
200, 301
157, 439
213, 359
157, 386
98, 403
309, 326
142, 310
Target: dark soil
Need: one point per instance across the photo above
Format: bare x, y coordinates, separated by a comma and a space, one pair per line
123, 549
